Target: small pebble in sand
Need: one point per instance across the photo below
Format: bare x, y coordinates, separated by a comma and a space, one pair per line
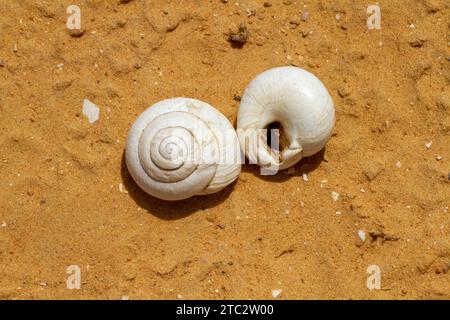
428, 145
4, 224
344, 91
43, 284
302, 204
305, 16
338, 213
76, 33
250, 12
239, 36
398, 164
60, 66
335, 196
125, 298
179, 296
362, 235
91, 111
338, 16
438, 157
276, 293
305, 176
417, 43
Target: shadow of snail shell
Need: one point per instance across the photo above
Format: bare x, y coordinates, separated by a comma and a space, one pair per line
181, 147
296, 102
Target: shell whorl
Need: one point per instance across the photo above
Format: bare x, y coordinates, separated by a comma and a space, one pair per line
181, 147
299, 102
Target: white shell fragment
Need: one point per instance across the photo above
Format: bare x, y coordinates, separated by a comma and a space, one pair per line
181, 147
335, 196
276, 293
122, 188
362, 235
299, 103
91, 111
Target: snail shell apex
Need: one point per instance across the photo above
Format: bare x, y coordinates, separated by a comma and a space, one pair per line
299, 102
182, 147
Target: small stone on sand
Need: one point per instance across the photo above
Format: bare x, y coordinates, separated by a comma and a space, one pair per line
305, 177
362, 235
76, 33
276, 293
239, 36
398, 164
428, 145
335, 196
91, 111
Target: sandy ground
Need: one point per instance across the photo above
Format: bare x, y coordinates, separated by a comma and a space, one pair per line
60, 202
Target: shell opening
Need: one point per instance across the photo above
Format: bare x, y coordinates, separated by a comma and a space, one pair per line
276, 139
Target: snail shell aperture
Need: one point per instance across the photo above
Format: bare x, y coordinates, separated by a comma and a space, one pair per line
298, 102
182, 147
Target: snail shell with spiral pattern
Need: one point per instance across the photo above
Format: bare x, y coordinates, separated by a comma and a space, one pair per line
181, 147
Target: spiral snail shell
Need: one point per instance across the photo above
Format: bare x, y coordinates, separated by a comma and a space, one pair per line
182, 147
295, 100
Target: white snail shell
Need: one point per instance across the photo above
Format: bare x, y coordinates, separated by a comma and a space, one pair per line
181, 147
293, 98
